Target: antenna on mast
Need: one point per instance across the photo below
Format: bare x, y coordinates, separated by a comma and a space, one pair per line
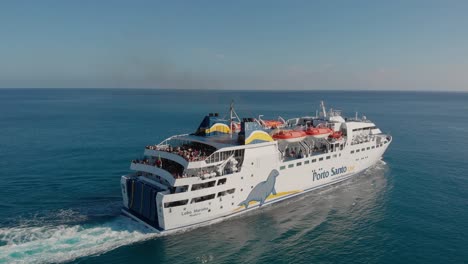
231, 109
233, 115
322, 105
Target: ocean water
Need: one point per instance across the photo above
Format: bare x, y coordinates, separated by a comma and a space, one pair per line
62, 153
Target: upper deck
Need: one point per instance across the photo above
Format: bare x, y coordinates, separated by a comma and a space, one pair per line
217, 147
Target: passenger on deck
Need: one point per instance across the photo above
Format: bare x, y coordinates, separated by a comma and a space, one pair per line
190, 151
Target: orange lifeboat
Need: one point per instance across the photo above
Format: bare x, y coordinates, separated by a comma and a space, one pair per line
319, 132
290, 135
336, 135
272, 123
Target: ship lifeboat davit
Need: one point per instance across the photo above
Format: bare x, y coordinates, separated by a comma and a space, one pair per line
290, 135
319, 132
235, 126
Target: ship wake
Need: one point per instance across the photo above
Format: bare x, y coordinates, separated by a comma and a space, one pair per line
60, 243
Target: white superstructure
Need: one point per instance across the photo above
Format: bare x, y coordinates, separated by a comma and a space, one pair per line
231, 166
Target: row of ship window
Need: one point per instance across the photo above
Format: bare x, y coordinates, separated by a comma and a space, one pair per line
209, 184
204, 185
366, 157
364, 128
198, 199
310, 161
328, 157
363, 149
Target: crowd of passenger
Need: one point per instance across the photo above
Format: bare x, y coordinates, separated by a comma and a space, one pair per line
191, 152
172, 167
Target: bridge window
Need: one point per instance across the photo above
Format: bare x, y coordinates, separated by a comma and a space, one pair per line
328, 157
282, 167
203, 185
368, 148
203, 198
306, 162
320, 159
314, 160
290, 165
175, 203
352, 151
299, 164
364, 128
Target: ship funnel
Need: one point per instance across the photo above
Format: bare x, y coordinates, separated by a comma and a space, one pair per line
213, 125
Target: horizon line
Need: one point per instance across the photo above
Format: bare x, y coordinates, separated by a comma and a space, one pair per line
233, 90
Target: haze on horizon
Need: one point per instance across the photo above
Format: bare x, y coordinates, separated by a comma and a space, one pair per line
301, 45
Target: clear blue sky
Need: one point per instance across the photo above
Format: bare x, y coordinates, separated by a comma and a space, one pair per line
401, 45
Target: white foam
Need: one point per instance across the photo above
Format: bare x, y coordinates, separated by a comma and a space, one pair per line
44, 244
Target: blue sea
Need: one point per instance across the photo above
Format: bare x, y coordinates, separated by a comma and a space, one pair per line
62, 152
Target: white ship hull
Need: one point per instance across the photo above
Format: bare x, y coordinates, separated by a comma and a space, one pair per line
228, 216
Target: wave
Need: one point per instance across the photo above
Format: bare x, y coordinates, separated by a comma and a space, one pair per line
49, 243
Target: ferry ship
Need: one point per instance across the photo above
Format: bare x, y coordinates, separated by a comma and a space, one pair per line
230, 166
